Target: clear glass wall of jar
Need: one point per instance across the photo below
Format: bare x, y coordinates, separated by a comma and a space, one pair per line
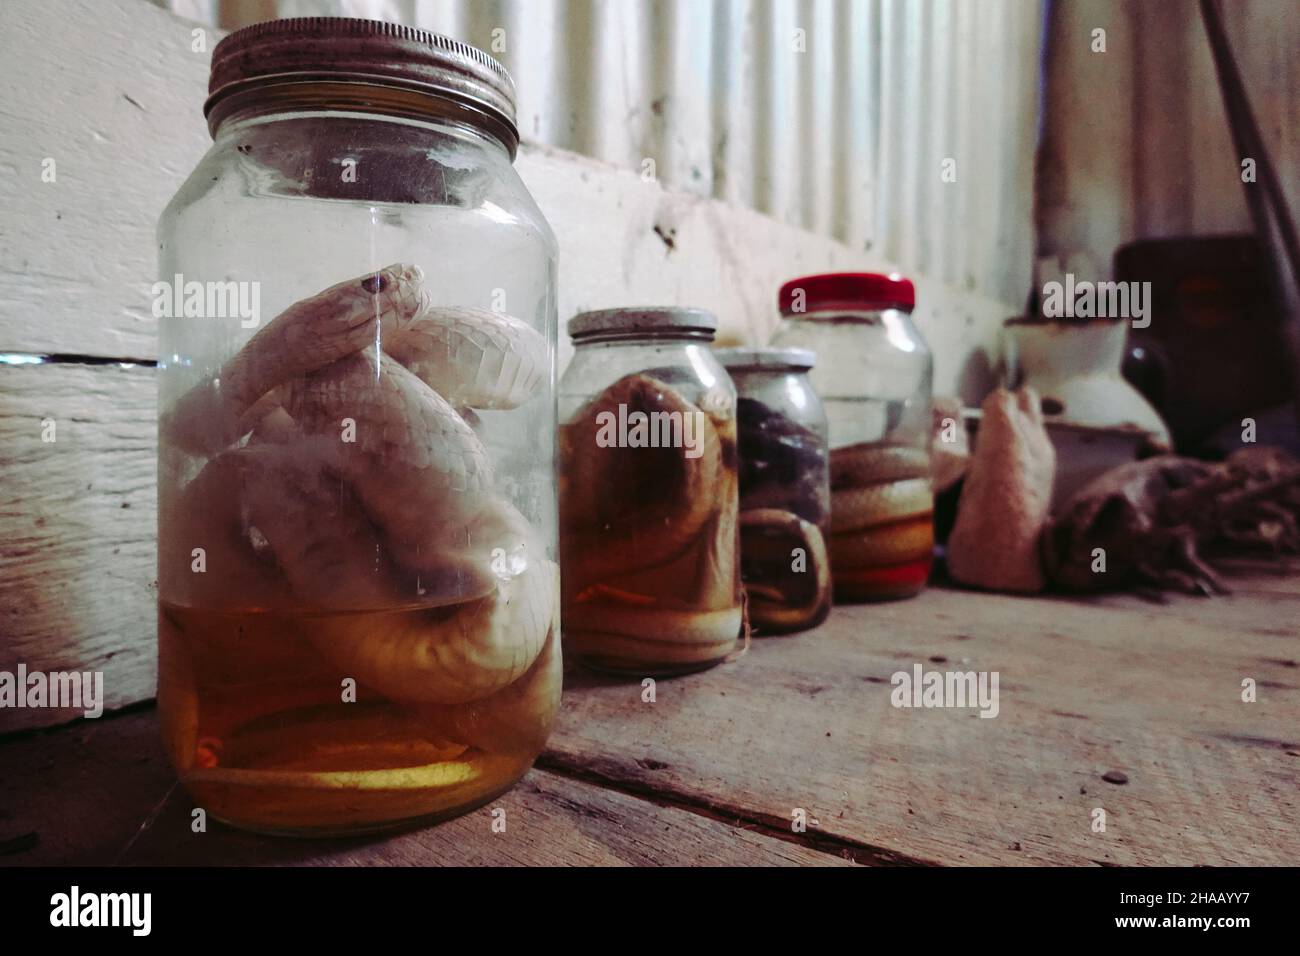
648, 494
785, 504
358, 577
874, 375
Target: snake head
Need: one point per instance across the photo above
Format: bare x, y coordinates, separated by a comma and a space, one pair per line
399, 289
398, 293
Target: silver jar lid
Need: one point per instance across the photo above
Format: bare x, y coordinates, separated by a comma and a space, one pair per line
644, 321
374, 54
797, 360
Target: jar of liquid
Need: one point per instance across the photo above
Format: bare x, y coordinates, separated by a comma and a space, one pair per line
784, 488
358, 578
648, 494
874, 376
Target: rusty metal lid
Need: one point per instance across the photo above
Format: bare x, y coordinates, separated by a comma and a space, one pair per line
774, 359
365, 54
644, 321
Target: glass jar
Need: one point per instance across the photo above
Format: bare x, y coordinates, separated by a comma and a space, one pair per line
358, 578
785, 504
874, 376
648, 494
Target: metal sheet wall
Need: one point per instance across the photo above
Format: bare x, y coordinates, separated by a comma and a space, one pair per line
836, 115
1136, 143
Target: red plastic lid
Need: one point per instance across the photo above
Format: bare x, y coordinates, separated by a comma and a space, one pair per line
848, 290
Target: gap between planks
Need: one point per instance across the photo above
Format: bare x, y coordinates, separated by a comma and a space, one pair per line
590, 771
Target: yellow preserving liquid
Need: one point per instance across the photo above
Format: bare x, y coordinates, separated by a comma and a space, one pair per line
646, 622
268, 735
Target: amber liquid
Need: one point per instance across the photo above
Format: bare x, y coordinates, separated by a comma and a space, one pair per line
265, 734
666, 601
625, 613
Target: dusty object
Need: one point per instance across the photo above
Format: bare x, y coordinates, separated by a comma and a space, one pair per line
1086, 452
1147, 523
1075, 367
784, 488
1005, 500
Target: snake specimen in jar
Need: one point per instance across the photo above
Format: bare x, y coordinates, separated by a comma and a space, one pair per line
882, 505
630, 517
401, 517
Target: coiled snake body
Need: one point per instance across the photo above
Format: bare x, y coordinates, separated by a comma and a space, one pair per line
343, 477
651, 580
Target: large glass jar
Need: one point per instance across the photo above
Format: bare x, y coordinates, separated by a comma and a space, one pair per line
648, 494
874, 375
358, 578
785, 506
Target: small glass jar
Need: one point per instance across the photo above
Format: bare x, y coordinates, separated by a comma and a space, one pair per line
358, 577
648, 494
874, 376
785, 504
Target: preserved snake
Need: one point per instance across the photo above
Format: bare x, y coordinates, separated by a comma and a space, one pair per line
352, 533
784, 510
882, 520
649, 536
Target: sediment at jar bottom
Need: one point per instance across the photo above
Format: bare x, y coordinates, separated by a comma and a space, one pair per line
264, 735
786, 571
882, 522
649, 538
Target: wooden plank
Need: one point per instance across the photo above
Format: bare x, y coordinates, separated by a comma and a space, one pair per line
806, 722
77, 527
80, 794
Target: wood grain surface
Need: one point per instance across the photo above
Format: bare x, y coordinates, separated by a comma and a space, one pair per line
1150, 691
102, 793
77, 527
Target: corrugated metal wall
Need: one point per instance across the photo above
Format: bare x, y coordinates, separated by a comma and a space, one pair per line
836, 115
1136, 143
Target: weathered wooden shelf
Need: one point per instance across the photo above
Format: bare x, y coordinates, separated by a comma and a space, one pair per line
715, 769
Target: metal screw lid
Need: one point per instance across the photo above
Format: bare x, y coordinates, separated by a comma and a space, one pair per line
647, 321
792, 359
367, 52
